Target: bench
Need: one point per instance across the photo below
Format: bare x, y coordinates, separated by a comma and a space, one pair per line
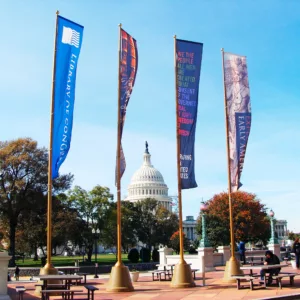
282, 275
240, 278
91, 290
83, 274
20, 291
157, 274
194, 273
66, 294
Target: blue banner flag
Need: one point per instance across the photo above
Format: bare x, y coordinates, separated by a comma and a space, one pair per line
238, 105
188, 66
68, 44
128, 65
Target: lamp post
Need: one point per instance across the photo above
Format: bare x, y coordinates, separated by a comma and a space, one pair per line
96, 233
273, 239
204, 242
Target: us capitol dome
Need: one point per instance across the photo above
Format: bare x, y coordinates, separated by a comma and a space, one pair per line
147, 182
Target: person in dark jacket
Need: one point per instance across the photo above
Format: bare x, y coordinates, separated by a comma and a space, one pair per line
271, 259
296, 250
17, 273
242, 251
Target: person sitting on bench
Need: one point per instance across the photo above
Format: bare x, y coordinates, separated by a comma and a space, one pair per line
271, 259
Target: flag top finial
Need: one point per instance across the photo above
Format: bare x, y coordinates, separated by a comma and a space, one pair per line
146, 150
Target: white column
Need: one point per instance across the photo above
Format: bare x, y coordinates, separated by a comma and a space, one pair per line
207, 253
226, 253
163, 252
4, 258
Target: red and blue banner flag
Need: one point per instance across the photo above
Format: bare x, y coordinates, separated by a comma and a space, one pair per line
128, 68
188, 66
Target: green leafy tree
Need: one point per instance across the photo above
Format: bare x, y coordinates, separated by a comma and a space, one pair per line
23, 182
129, 222
292, 236
156, 223
251, 223
92, 208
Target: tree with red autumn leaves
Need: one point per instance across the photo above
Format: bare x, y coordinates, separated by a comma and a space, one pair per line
250, 220
175, 242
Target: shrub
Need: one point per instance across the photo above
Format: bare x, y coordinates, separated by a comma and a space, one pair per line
155, 255
133, 255
145, 255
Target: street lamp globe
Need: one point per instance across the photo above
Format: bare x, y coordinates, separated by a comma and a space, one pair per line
271, 213
93, 231
203, 207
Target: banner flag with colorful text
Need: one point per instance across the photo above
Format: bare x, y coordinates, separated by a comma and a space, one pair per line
188, 66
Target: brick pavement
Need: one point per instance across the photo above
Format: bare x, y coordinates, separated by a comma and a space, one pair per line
146, 289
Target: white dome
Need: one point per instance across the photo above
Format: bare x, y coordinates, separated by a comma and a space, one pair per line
148, 182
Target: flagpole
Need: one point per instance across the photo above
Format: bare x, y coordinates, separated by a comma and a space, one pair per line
182, 276
48, 268
178, 161
232, 265
119, 241
119, 278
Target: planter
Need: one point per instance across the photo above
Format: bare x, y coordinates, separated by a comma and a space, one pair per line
293, 263
134, 275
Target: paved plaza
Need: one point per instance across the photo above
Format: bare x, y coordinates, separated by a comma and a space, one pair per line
145, 288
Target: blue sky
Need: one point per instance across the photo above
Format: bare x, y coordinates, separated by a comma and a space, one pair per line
267, 32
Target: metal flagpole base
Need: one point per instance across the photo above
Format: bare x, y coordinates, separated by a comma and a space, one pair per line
46, 270
119, 280
232, 268
182, 276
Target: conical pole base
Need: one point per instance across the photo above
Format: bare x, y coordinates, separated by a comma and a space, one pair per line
232, 268
48, 269
182, 276
119, 280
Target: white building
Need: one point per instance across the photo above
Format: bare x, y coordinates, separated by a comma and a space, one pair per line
147, 182
189, 228
281, 230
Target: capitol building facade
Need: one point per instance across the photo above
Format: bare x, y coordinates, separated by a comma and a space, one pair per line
148, 182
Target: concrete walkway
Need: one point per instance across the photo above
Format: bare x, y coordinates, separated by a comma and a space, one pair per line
145, 288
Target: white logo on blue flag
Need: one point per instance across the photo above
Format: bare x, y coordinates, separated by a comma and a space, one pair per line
70, 36
68, 44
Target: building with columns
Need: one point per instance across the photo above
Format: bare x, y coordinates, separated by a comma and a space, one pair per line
281, 230
189, 228
147, 182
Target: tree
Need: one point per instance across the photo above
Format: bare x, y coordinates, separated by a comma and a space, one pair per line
251, 223
167, 224
175, 242
23, 182
292, 236
129, 222
92, 208
156, 224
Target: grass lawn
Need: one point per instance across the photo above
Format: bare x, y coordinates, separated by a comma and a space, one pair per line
102, 259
